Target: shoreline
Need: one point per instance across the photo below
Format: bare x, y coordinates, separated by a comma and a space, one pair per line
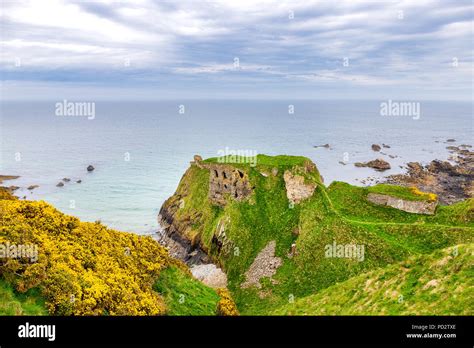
450, 179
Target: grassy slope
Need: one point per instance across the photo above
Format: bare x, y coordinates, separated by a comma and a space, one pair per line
184, 295
441, 283
14, 303
398, 191
339, 213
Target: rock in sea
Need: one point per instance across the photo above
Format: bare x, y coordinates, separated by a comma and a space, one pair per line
376, 147
378, 164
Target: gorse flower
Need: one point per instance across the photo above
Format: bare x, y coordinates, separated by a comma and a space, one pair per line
82, 268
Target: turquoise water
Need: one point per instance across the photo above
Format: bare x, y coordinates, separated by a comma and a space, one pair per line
141, 149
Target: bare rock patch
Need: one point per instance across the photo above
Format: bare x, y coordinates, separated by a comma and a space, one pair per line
296, 189
264, 265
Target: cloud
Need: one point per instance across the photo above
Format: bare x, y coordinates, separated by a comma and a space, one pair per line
297, 44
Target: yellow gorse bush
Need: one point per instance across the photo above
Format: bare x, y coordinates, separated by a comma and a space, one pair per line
226, 305
82, 268
430, 196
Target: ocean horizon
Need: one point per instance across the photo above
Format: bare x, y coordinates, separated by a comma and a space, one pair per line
141, 149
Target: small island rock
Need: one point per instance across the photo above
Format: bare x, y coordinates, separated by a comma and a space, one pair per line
376, 147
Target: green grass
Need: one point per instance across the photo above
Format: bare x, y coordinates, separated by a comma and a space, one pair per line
339, 213
441, 283
185, 295
262, 160
14, 303
397, 191
351, 202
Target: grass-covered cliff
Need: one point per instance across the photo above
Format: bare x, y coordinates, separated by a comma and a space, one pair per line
85, 268
441, 283
268, 225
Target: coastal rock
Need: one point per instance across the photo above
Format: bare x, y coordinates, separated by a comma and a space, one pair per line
377, 164
451, 140
450, 182
296, 189
90, 168
415, 167
376, 147
220, 242
7, 177
386, 146
197, 158
32, 187
416, 207
60, 184
327, 146
66, 179
78, 181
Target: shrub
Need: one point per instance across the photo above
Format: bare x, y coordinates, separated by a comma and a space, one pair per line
82, 268
226, 305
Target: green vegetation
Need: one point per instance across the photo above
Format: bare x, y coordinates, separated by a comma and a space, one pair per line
407, 193
441, 283
184, 295
88, 269
84, 268
262, 160
14, 303
340, 213
351, 202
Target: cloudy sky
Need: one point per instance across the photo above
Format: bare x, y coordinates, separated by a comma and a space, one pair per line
237, 49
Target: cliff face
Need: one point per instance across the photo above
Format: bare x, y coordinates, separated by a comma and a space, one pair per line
223, 184
268, 227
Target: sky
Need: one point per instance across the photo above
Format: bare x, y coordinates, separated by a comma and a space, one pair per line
242, 49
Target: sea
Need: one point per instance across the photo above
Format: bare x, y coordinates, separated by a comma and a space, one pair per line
140, 149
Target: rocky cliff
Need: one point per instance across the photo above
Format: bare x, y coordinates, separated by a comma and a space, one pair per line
268, 227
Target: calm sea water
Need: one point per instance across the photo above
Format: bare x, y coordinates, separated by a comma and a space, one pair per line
141, 149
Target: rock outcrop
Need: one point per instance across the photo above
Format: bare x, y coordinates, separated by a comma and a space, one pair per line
264, 265
450, 182
296, 189
377, 164
8, 177
416, 207
175, 233
376, 147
